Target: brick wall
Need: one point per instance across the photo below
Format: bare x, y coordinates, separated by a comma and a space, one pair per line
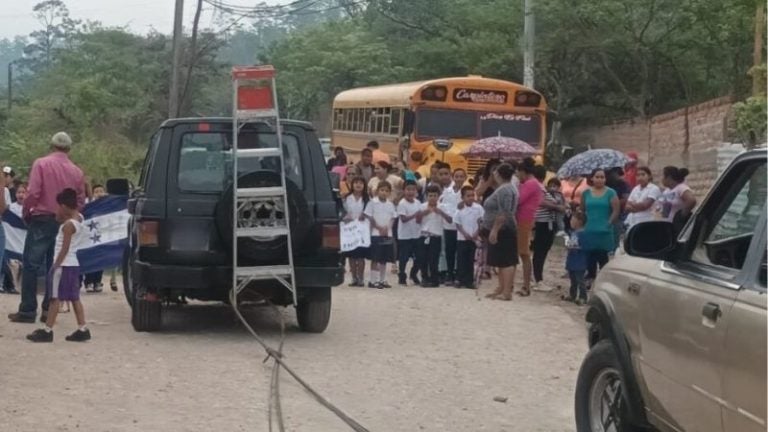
687, 137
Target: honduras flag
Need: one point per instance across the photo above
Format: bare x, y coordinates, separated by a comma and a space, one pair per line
104, 241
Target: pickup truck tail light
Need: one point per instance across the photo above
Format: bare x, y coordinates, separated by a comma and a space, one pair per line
331, 236
148, 233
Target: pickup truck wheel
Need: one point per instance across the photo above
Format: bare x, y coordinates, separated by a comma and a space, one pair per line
147, 314
128, 288
314, 311
262, 251
601, 405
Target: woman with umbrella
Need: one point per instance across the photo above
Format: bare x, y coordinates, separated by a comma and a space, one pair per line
601, 206
500, 227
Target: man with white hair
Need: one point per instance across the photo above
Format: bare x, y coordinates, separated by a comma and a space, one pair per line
50, 175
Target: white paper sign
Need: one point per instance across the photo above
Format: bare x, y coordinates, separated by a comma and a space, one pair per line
355, 234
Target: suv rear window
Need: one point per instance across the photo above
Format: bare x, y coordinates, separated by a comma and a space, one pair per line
205, 159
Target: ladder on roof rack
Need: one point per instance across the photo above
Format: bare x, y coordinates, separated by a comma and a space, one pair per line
255, 100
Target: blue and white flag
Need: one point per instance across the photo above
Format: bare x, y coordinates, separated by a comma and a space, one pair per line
105, 239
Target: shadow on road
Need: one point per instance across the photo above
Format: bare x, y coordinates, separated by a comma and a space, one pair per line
219, 319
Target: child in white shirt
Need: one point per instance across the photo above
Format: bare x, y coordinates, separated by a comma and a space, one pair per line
381, 213
408, 232
468, 226
431, 218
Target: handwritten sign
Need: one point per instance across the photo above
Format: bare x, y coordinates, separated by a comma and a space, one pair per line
355, 234
480, 96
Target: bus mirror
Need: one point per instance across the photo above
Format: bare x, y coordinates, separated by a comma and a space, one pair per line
442, 145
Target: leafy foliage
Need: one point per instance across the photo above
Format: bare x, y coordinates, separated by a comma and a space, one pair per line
596, 61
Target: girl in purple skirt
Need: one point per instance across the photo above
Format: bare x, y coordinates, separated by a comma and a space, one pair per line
64, 277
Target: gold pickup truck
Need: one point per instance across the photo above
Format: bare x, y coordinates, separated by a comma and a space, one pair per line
677, 324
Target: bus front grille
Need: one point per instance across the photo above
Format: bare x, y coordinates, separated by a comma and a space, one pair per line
475, 164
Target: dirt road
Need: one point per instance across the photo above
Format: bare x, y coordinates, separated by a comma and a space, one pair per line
404, 359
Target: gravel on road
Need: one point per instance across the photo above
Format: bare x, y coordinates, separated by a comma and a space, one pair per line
400, 359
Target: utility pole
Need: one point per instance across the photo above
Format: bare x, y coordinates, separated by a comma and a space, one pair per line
10, 85
528, 49
173, 97
757, 56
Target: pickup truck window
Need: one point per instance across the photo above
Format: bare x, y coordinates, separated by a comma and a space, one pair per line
154, 142
730, 226
205, 160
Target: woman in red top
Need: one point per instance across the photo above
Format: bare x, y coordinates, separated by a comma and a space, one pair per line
531, 195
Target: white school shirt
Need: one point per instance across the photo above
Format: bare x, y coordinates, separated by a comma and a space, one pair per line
449, 202
469, 218
16, 208
382, 213
70, 260
638, 195
354, 206
411, 229
431, 224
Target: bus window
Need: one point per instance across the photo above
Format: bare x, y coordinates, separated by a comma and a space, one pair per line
523, 127
394, 123
446, 124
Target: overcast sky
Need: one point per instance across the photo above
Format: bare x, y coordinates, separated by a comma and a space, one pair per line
16, 16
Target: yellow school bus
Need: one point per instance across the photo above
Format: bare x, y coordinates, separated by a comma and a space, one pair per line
409, 119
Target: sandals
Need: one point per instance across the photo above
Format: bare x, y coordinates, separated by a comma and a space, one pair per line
524, 292
495, 293
503, 297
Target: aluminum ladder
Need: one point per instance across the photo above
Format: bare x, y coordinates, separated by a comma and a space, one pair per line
255, 101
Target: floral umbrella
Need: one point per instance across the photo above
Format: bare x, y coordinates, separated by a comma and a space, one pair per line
584, 163
500, 147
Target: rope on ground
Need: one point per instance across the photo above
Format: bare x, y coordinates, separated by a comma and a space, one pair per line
277, 355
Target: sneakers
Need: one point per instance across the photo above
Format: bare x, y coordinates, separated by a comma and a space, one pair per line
40, 335
21, 318
79, 336
384, 285
97, 288
402, 281
374, 285
113, 286
415, 280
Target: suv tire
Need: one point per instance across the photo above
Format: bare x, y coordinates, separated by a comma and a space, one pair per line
252, 251
601, 405
314, 311
147, 315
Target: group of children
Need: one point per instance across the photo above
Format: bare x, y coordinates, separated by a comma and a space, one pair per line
444, 219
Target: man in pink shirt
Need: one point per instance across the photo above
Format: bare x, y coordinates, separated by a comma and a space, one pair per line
49, 176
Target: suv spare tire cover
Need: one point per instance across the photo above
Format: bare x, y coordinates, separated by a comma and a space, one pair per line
269, 249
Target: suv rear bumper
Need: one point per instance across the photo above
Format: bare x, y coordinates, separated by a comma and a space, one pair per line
216, 278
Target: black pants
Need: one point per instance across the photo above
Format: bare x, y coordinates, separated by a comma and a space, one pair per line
596, 258
450, 253
93, 278
407, 249
543, 237
465, 262
429, 258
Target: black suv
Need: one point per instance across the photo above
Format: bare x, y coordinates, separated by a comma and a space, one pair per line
181, 234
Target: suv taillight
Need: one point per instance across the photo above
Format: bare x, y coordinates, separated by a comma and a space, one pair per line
331, 237
148, 233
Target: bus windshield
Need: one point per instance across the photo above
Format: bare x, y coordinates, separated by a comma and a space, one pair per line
437, 123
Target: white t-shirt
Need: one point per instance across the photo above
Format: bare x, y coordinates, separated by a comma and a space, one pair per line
468, 218
431, 224
7, 194
354, 206
671, 201
70, 260
382, 213
411, 229
449, 202
16, 208
640, 194
394, 181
